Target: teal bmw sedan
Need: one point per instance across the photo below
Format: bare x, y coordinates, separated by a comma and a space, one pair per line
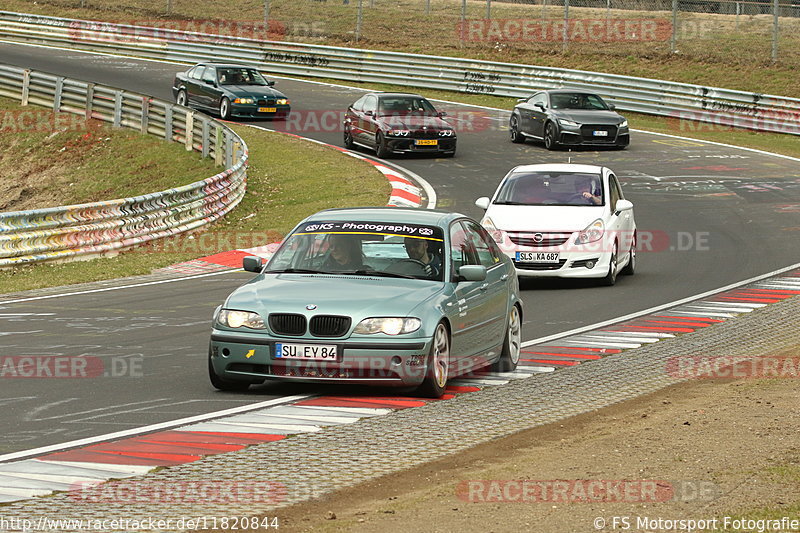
371, 296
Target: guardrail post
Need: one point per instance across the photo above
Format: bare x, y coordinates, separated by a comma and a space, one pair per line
228, 151
145, 114
26, 86
89, 100
206, 139
219, 150
57, 95
358, 20
117, 109
237, 147
189, 130
168, 123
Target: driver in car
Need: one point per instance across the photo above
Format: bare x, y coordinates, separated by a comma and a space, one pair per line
417, 249
584, 193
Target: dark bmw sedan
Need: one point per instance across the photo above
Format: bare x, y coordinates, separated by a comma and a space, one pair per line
230, 91
391, 123
568, 117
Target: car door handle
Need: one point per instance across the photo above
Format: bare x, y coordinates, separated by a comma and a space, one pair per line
484, 286
504, 277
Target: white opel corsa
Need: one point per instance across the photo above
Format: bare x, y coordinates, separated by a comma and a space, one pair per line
563, 220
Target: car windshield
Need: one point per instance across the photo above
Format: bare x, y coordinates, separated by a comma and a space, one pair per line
577, 101
405, 105
362, 248
551, 188
240, 76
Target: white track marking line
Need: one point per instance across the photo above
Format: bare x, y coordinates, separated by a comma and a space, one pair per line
150, 428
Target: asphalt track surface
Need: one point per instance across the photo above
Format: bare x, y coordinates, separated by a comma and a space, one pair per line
717, 215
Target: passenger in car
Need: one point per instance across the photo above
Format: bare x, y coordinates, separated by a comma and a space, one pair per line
345, 255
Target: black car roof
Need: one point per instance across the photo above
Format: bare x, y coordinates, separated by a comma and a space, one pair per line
226, 65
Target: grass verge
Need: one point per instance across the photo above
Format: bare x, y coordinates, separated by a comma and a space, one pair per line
288, 179
712, 49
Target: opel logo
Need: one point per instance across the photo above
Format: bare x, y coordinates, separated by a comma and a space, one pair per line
311, 307
538, 237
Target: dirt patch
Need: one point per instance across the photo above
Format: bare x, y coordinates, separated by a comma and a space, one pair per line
712, 447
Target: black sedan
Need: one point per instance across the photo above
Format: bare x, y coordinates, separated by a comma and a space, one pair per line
230, 91
568, 117
392, 123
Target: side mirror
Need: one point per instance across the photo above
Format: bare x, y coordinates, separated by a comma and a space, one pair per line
442, 114
271, 83
539, 105
368, 112
612, 107
521, 100
252, 263
623, 205
472, 272
483, 202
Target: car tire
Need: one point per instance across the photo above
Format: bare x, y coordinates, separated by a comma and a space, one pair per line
348, 139
224, 384
225, 109
182, 98
513, 129
550, 136
509, 355
381, 149
630, 268
435, 382
611, 278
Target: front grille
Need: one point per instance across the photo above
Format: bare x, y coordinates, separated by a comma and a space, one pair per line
266, 102
546, 242
424, 134
329, 325
249, 368
334, 373
540, 266
287, 324
588, 129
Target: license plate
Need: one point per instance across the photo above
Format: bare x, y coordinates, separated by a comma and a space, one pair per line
600, 133
537, 257
424, 142
317, 352
267, 109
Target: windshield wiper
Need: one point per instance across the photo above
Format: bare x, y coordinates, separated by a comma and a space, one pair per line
380, 274
295, 271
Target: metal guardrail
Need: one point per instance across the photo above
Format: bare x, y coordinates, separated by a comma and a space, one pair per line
656, 97
61, 233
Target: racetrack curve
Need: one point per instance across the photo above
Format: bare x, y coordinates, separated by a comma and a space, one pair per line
736, 213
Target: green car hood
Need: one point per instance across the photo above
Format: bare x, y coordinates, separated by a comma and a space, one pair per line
356, 296
253, 91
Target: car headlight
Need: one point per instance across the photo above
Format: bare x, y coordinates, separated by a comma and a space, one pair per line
592, 232
568, 123
496, 234
624, 124
447, 133
398, 133
387, 325
282, 101
243, 100
239, 319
